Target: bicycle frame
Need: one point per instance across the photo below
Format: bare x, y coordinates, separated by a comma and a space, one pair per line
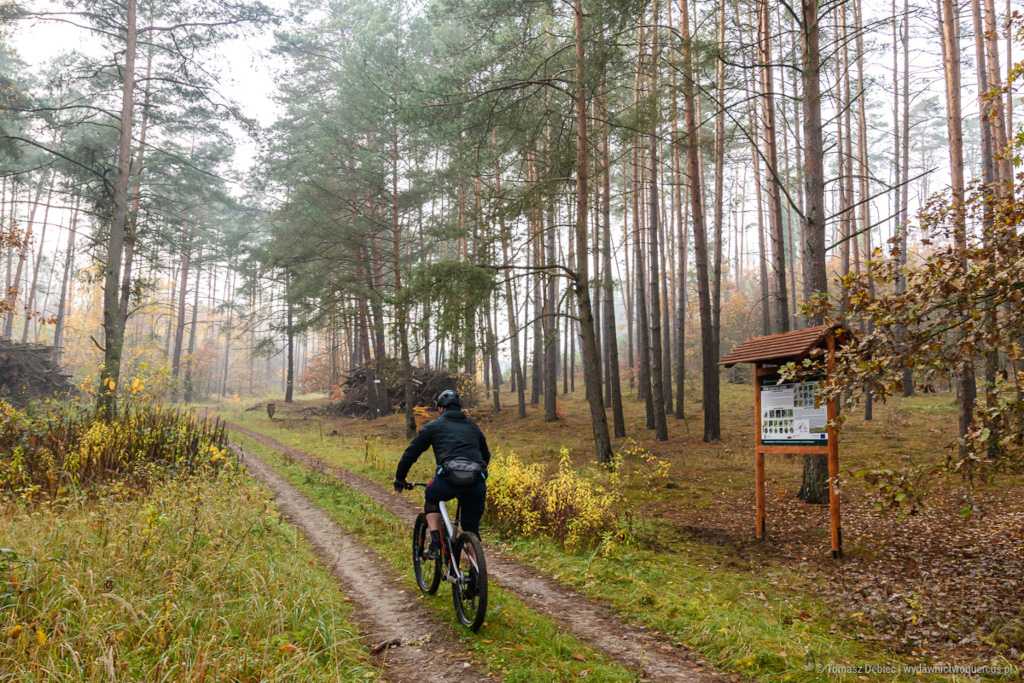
452, 572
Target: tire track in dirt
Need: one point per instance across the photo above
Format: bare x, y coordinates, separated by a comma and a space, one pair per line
657, 658
413, 644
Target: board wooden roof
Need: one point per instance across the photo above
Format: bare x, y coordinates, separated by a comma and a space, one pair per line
783, 347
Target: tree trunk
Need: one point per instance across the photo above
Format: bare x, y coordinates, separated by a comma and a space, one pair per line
865, 174
709, 353
657, 372
513, 331
179, 330
192, 333
610, 333
62, 306
14, 288
372, 408
227, 339
1000, 142
642, 323
967, 389
627, 282
815, 477
848, 215
112, 330
131, 234
908, 373
591, 371
668, 268
551, 326
681, 237
402, 309
762, 257
289, 381
780, 305
31, 303
537, 366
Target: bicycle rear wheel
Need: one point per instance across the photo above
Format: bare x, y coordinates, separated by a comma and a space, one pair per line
428, 572
470, 593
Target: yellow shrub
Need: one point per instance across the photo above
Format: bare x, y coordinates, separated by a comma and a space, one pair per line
570, 507
512, 492
53, 445
95, 444
576, 509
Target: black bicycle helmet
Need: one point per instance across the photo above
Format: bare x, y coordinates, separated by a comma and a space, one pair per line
448, 398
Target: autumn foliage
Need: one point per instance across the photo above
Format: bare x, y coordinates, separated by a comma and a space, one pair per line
52, 451
963, 304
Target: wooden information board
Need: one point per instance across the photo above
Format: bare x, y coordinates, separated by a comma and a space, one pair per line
788, 416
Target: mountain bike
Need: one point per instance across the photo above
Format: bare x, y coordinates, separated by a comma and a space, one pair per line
461, 563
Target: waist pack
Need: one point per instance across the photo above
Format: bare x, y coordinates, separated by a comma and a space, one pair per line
461, 472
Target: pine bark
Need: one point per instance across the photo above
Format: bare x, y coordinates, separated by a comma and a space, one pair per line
592, 373
657, 376
610, 331
190, 356
289, 379
62, 306
815, 475
709, 353
865, 174
681, 236
179, 330
113, 332
779, 302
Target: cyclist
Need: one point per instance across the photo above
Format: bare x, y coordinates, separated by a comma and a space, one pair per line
461, 452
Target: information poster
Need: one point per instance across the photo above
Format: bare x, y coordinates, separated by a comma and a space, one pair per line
788, 413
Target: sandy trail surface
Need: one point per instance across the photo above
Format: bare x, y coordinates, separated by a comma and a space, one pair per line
412, 642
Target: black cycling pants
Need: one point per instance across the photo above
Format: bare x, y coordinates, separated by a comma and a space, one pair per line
471, 499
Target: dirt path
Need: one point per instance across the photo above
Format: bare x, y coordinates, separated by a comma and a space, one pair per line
633, 645
413, 644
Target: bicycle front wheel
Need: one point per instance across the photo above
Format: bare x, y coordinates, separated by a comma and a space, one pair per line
428, 572
470, 592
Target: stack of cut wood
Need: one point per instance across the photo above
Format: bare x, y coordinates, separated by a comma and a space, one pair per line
427, 384
27, 372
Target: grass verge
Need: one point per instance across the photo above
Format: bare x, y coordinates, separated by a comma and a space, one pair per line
199, 579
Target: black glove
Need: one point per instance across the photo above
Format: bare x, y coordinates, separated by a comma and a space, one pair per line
400, 485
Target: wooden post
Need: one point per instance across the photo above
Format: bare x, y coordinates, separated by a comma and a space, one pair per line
758, 453
833, 457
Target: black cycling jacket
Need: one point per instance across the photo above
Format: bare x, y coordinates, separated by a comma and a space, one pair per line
453, 435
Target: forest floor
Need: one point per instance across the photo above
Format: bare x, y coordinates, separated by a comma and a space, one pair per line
934, 588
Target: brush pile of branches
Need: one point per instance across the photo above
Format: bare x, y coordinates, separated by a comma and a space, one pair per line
390, 390
28, 372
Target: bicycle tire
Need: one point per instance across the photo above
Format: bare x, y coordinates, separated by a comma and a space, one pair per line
470, 594
428, 572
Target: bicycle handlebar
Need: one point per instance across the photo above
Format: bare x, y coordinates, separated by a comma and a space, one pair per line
410, 485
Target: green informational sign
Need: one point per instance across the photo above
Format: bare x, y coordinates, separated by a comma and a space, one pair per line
788, 413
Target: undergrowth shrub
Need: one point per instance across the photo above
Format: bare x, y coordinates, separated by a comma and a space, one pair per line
571, 507
513, 495
49, 451
578, 507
